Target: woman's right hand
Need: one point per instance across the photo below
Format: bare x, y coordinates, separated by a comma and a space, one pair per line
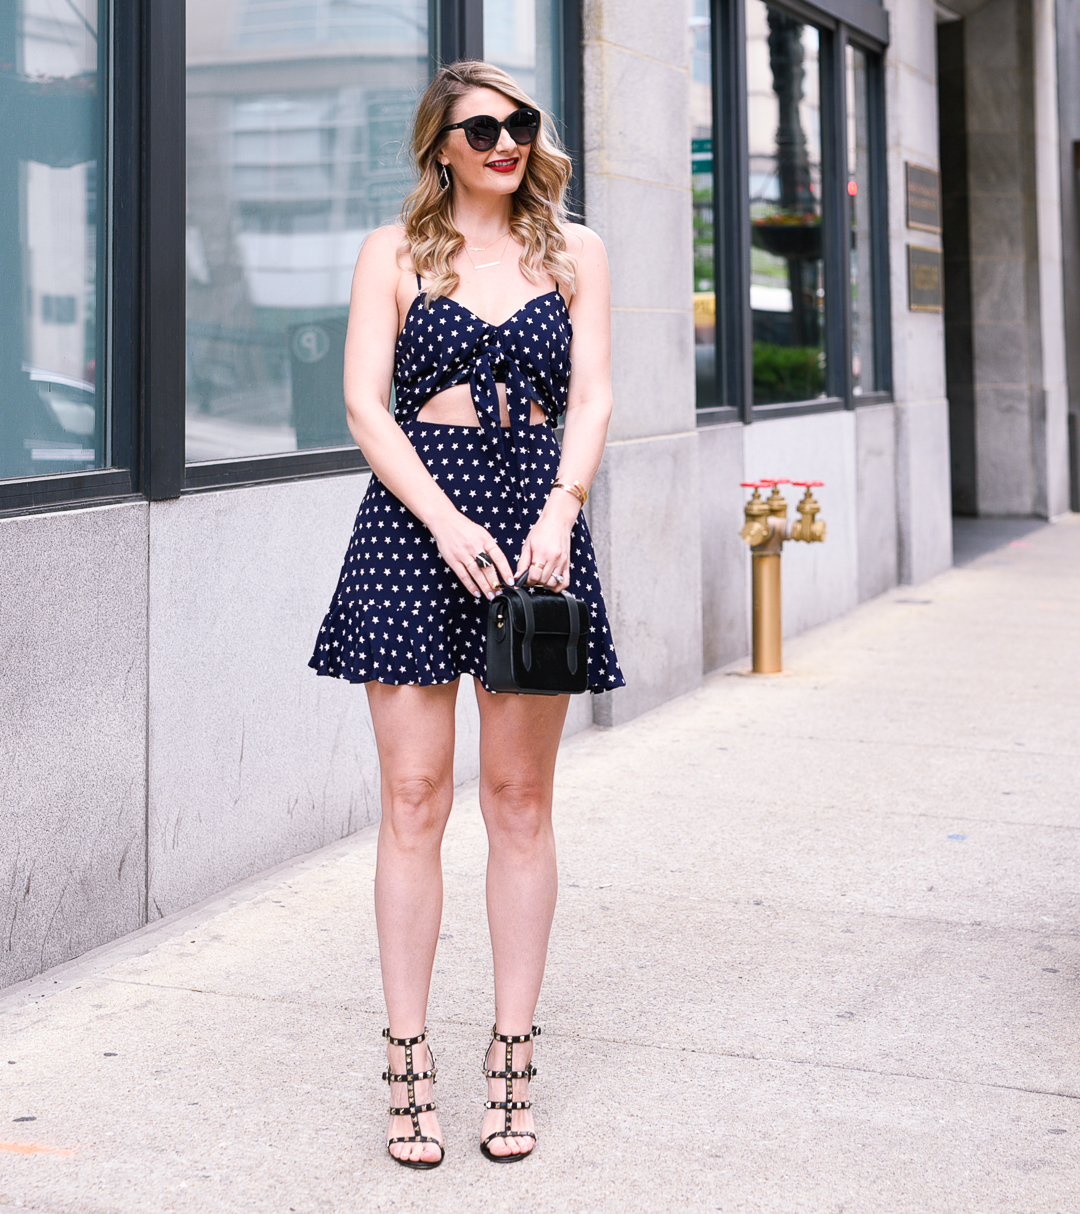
460, 541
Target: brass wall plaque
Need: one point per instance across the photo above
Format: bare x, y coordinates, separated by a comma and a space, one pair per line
923, 198
924, 279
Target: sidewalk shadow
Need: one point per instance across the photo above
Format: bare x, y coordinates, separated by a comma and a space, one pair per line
975, 537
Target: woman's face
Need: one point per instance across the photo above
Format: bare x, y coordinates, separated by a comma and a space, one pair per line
499, 170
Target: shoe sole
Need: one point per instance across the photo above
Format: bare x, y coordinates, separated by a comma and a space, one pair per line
505, 1158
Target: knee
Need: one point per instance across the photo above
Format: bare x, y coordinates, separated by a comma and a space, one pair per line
415, 809
518, 811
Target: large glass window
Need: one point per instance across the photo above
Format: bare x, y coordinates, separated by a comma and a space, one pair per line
701, 177
787, 280
524, 38
53, 416
297, 116
788, 241
865, 374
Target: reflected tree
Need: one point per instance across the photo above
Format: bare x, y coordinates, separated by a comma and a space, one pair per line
796, 196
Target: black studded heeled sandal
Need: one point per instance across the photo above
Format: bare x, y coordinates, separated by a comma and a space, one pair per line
508, 1075
412, 1109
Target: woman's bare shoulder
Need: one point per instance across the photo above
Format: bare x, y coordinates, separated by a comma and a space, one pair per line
386, 249
589, 256
582, 241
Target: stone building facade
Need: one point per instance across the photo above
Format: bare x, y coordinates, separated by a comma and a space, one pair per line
161, 735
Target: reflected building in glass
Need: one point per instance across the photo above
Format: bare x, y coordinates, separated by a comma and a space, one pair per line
787, 285
865, 374
53, 417
524, 38
297, 117
702, 178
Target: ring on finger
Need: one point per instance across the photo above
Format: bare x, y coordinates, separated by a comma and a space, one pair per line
483, 560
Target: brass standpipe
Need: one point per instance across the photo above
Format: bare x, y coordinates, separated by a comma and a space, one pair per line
766, 528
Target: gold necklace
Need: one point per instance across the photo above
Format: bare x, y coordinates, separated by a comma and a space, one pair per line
487, 264
483, 248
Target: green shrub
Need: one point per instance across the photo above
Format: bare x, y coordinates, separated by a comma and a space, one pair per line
787, 372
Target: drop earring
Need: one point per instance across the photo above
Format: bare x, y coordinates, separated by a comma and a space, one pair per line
444, 177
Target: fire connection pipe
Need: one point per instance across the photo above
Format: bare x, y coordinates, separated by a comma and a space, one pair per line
767, 527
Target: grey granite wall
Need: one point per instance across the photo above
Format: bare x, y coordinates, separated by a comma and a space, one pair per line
922, 475
1068, 76
72, 733
725, 559
875, 500
1016, 269
646, 513
252, 757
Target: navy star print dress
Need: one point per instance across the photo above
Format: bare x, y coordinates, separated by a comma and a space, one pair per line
399, 615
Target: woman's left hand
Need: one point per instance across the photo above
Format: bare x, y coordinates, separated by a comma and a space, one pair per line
546, 553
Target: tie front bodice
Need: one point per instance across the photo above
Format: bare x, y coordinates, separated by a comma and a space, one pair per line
447, 344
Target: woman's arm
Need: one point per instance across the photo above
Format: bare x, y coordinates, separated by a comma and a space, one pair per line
588, 408
369, 371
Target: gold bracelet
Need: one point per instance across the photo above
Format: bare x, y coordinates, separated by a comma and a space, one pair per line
577, 489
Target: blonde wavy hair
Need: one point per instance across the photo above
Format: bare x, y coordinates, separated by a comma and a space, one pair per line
538, 206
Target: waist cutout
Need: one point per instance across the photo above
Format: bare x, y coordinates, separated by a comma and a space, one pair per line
454, 407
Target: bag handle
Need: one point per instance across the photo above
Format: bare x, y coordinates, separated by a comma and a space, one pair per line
517, 588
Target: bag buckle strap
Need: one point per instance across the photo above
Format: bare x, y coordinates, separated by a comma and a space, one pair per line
525, 599
575, 631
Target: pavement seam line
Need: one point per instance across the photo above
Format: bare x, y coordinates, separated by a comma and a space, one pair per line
646, 1045
978, 750
912, 813
802, 908
831, 1066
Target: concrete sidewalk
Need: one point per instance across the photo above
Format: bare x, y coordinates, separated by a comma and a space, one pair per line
816, 950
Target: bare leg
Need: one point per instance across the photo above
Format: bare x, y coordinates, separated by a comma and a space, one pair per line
519, 739
414, 730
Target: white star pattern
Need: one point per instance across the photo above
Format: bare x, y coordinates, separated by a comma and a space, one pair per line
440, 635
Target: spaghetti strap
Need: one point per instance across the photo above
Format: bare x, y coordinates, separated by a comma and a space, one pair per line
419, 284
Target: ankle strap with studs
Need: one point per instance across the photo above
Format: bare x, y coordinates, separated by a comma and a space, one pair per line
536, 1030
405, 1040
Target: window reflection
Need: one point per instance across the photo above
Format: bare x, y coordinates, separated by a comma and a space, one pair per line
701, 178
524, 38
297, 120
787, 290
52, 418
864, 376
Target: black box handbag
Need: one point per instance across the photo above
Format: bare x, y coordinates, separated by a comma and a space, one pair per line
537, 641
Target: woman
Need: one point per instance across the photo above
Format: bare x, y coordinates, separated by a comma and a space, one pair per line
469, 487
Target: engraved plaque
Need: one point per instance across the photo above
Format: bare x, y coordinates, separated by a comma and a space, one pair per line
924, 279
923, 198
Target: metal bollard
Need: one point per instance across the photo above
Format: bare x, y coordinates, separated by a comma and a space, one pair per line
765, 530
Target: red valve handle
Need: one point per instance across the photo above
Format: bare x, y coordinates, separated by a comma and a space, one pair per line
808, 484
751, 484
775, 480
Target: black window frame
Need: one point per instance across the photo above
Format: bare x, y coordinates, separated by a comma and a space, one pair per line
146, 270
861, 23
119, 241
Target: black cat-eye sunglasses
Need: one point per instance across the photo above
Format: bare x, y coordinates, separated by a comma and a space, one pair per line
483, 131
